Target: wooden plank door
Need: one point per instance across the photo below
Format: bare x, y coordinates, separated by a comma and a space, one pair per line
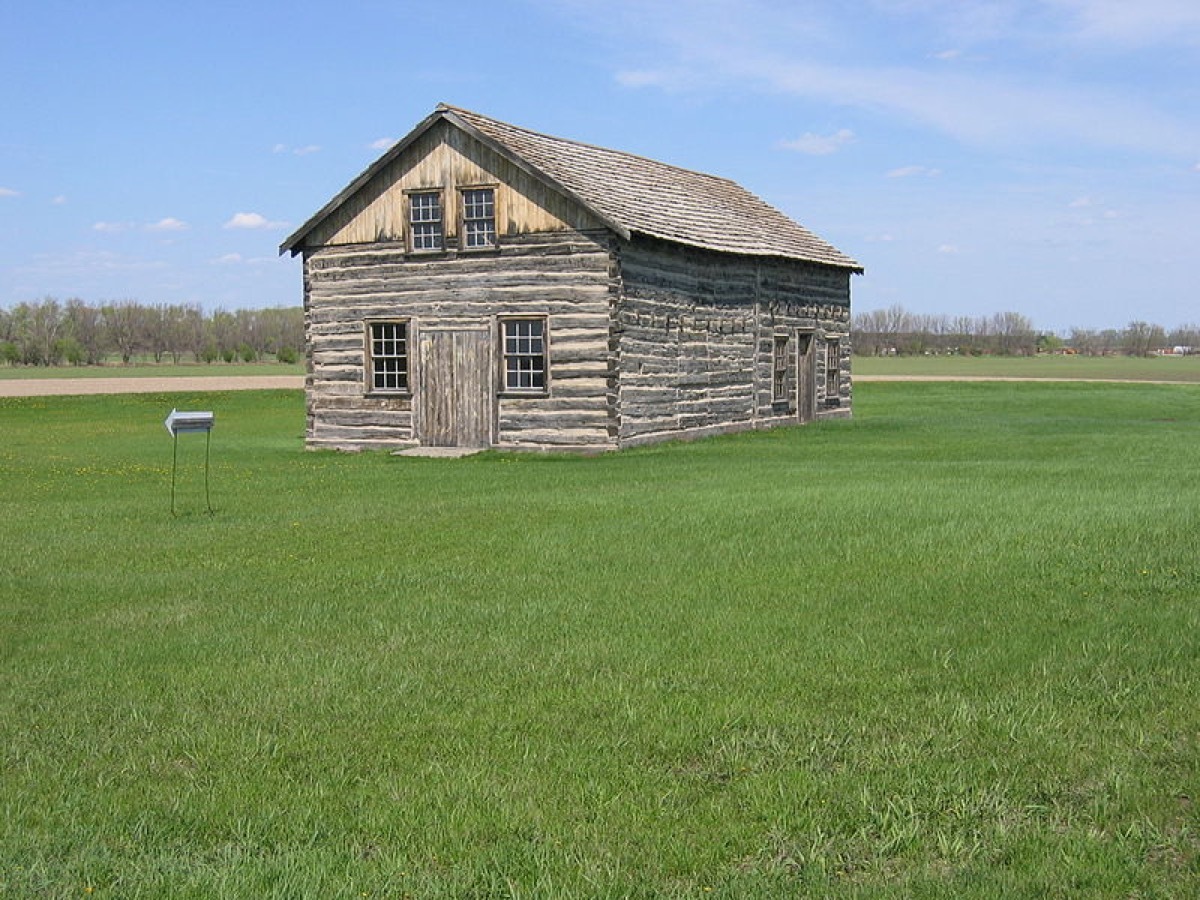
806, 376
456, 388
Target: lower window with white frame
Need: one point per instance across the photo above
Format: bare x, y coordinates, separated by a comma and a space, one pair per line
387, 357
523, 347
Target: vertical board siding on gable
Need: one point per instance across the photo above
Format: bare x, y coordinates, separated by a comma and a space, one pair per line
446, 159
563, 276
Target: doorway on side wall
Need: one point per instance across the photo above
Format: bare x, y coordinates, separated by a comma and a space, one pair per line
806, 376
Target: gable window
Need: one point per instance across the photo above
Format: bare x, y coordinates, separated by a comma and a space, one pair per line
524, 355
479, 218
833, 372
779, 369
387, 357
425, 220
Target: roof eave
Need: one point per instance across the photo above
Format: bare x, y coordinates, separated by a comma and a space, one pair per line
851, 265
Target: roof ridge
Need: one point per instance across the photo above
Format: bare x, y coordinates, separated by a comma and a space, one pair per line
587, 144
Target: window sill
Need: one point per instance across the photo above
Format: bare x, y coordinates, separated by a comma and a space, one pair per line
388, 395
513, 394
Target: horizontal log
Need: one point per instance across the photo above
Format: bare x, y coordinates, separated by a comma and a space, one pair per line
560, 422
338, 373
358, 433
358, 401
323, 358
553, 437
367, 419
476, 302
593, 405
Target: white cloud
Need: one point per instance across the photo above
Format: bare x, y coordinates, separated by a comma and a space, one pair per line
236, 259
1087, 22
85, 262
111, 227
384, 143
253, 221
296, 151
948, 249
9, 192
168, 224
749, 47
668, 79
60, 200
912, 171
1120, 22
820, 144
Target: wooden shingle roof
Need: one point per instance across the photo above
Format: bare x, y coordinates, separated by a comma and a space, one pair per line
631, 194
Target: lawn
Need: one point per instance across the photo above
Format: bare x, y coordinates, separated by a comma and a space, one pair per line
1132, 368
947, 648
145, 369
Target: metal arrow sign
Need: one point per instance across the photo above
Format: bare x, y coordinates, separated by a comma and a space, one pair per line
179, 422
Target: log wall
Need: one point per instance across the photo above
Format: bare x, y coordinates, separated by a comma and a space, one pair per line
647, 340
565, 276
695, 340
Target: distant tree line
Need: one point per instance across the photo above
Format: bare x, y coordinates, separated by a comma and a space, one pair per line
895, 330
53, 333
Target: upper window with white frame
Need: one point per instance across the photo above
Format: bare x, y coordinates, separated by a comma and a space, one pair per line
524, 353
478, 218
425, 221
387, 357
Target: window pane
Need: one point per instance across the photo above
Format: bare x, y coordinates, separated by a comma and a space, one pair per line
426, 208
524, 354
779, 369
479, 217
425, 220
832, 370
388, 362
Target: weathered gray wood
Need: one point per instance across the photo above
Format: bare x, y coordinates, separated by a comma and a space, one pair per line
647, 339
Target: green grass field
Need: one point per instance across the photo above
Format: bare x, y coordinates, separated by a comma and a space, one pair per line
151, 370
1132, 368
949, 648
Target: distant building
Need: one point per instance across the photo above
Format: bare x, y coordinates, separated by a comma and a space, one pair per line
482, 285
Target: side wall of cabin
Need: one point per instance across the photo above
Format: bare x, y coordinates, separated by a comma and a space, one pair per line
699, 337
563, 277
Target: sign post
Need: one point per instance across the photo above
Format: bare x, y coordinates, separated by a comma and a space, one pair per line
179, 422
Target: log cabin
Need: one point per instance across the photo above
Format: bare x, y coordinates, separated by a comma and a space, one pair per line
484, 285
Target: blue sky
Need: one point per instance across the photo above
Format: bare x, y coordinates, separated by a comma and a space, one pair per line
1037, 156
